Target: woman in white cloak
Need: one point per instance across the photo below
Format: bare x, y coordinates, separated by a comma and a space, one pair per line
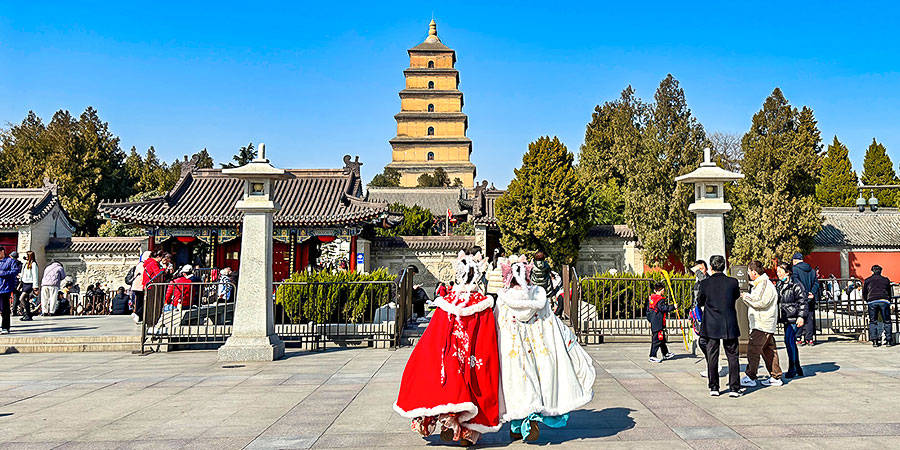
544, 372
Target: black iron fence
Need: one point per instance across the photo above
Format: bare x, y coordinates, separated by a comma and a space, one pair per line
199, 313
311, 314
308, 315
618, 306
841, 309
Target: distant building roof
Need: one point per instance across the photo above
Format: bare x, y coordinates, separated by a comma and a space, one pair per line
847, 227
425, 242
619, 231
127, 245
25, 206
206, 197
437, 200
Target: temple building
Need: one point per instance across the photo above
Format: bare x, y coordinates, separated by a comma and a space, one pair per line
431, 127
324, 219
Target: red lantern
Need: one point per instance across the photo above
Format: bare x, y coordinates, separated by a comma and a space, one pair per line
326, 239
186, 239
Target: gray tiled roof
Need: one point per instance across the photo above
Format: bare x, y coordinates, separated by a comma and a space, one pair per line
26, 206
425, 242
619, 231
846, 227
206, 197
128, 245
437, 200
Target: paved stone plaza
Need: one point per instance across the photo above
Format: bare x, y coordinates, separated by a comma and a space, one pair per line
342, 399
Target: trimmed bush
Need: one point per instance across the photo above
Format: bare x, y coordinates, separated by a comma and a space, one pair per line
334, 297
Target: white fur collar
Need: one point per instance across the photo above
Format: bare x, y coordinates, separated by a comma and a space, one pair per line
532, 298
459, 310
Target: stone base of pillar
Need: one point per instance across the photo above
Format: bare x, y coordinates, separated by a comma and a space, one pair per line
265, 348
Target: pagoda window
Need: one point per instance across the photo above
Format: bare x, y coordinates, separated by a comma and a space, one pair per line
431, 156
431, 85
431, 64
431, 131
430, 107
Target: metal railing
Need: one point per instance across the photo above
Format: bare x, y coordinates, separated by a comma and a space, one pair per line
344, 313
186, 314
841, 310
618, 306
97, 304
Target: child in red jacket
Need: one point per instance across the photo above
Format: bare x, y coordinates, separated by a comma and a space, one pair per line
656, 314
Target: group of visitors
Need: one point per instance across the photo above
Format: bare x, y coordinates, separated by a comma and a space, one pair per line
790, 301
182, 291
481, 363
20, 281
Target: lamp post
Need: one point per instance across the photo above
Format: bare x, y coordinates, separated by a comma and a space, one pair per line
253, 335
873, 201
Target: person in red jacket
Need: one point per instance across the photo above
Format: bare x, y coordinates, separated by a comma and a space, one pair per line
151, 273
179, 293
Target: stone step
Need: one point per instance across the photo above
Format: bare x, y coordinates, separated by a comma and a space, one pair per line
14, 339
70, 347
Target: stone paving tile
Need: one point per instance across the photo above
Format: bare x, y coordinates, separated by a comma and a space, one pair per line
706, 432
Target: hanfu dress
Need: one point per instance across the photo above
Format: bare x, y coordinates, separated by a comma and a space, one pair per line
545, 373
452, 377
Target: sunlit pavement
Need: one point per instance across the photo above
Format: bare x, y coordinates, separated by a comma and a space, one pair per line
848, 399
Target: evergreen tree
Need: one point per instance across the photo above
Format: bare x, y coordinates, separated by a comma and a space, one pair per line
837, 181
775, 210
879, 170
632, 153
417, 221
204, 160
244, 156
438, 179
613, 133
544, 206
388, 178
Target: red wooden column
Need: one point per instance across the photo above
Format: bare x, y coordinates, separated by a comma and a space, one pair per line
352, 253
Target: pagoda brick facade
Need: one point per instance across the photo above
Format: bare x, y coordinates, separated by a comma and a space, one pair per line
431, 127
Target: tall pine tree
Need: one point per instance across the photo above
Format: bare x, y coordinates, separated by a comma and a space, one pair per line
879, 170
244, 156
837, 180
544, 206
775, 209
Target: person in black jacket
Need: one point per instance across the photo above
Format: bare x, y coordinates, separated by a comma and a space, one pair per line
120, 303
876, 293
793, 307
656, 314
804, 274
717, 296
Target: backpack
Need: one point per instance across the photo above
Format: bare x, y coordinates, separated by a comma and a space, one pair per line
129, 278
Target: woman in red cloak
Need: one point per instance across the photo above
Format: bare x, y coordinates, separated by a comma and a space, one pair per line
452, 377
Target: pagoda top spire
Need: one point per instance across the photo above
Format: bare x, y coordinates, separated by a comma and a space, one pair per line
432, 33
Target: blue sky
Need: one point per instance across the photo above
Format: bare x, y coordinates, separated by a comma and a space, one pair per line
315, 81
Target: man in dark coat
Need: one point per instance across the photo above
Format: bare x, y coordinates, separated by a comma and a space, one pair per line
804, 274
877, 295
717, 296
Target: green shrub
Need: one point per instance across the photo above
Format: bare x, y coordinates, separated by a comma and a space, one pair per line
333, 297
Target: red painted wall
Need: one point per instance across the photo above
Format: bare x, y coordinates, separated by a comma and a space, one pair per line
861, 264
829, 263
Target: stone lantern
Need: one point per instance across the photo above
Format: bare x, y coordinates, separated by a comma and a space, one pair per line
253, 335
709, 205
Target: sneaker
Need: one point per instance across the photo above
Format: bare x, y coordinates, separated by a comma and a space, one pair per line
25, 318
654, 359
772, 382
747, 382
713, 393
811, 343
889, 344
135, 318
4, 331
733, 394
876, 344
669, 355
801, 343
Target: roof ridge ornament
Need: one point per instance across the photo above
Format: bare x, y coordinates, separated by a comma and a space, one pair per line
432, 32
352, 166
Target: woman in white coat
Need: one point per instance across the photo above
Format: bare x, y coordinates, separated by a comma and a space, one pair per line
544, 373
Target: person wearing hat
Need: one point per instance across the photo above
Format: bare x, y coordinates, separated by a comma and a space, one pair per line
804, 274
9, 270
876, 292
180, 292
